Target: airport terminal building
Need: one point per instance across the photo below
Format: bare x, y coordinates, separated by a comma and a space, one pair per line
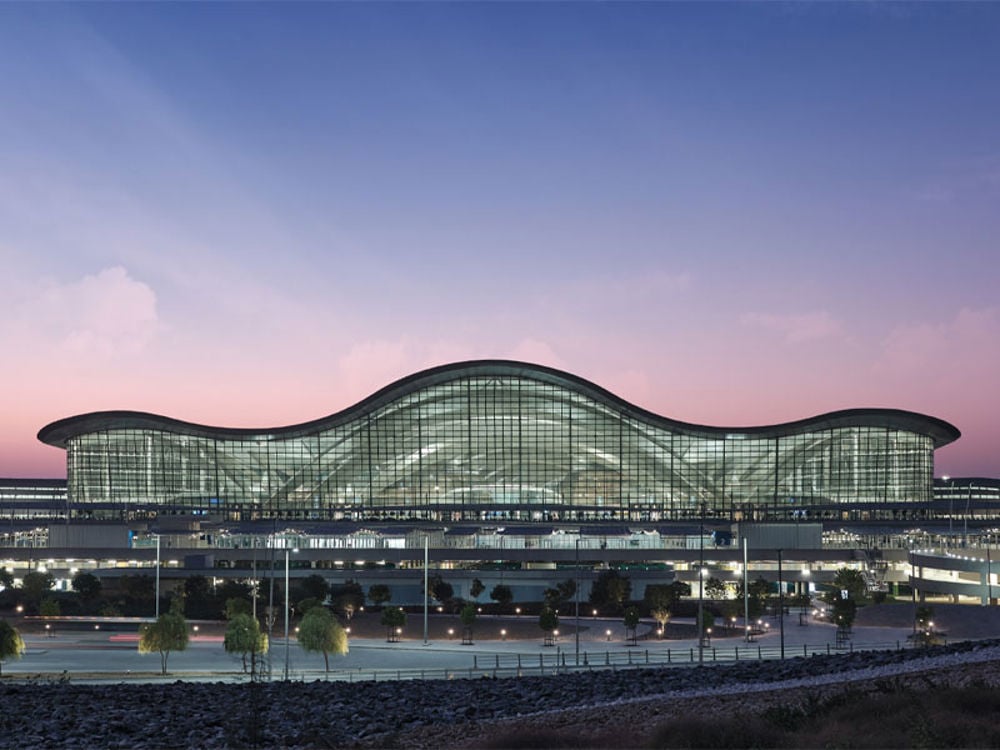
496, 441
492, 464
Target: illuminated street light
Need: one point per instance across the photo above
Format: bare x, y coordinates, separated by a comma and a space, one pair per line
157, 609
295, 549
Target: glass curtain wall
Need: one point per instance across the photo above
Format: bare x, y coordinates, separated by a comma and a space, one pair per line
497, 449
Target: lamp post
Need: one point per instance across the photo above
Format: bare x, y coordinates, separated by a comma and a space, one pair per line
426, 592
577, 634
781, 606
253, 590
701, 585
746, 591
157, 610
286, 609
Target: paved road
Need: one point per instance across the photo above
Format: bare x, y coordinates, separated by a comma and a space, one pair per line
87, 655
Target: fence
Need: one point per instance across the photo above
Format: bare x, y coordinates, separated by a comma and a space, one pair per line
565, 662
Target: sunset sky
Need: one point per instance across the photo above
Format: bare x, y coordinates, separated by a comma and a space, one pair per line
248, 214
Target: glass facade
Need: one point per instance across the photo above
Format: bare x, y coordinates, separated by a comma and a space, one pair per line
497, 441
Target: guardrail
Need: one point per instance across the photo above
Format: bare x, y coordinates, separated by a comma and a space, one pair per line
565, 662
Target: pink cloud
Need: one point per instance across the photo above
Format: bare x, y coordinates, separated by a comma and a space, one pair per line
101, 315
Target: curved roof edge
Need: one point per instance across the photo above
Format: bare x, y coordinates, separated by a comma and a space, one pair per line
57, 433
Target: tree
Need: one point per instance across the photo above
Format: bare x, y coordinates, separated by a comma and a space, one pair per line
924, 633
347, 598
6, 579
707, 623
662, 598
849, 580
36, 585
662, 617
393, 618
924, 615
168, 633
87, 585
844, 612
11, 643
199, 601
714, 588
548, 621
379, 594
307, 604
502, 595
562, 592
319, 631
49, 607
140, 591
468, 618
244, 636
731, 609
236, 606
610, 591
234, 589
551, 598
757, 592
631, 622
110, 609
476, 589
439, 588
567, 589
313, 587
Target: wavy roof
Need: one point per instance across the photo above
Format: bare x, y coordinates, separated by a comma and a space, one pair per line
59, 432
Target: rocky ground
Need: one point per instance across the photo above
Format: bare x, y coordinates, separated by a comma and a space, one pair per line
595, 708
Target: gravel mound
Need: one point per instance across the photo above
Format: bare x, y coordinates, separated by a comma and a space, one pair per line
337, 714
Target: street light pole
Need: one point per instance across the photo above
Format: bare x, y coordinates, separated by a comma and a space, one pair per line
286, 613
781, 606
157, 610
426, 592
286, 609
701, 585
746, 591
578, 599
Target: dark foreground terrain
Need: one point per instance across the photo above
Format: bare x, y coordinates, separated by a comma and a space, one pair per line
796, 703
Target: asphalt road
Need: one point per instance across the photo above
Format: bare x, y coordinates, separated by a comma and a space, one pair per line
84, 655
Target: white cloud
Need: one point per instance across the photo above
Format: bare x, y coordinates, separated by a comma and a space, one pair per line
798, 328
105, 315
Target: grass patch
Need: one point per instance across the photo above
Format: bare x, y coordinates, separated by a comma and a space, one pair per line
893, 717
890, 715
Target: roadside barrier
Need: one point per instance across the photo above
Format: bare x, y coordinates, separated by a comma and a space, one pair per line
491, 666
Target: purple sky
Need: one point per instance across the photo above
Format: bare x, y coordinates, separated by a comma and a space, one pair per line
256, 215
